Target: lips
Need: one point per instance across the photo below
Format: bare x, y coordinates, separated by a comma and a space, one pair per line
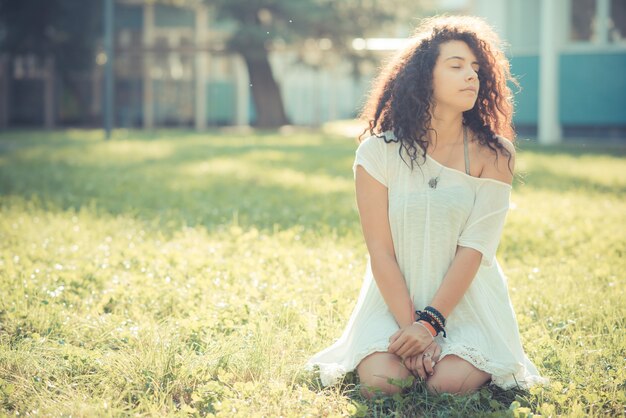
472, 89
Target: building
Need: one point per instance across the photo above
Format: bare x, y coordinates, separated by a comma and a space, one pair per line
171, 69
570, 59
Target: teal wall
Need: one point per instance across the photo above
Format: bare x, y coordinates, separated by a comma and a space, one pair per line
593, 89
220, 102
592, 86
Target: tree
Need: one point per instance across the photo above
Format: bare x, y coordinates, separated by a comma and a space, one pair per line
66, 30
262, 23
69, 30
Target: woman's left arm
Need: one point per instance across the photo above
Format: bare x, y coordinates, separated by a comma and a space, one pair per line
476, 245
467, 260
457, 280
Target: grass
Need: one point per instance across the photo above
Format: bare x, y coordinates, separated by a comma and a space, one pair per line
173, 273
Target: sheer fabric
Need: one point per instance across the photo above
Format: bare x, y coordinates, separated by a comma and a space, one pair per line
427, 225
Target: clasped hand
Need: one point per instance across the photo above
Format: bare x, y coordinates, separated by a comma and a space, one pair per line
417, 348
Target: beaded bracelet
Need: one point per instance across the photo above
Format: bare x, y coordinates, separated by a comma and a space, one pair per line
425, 317
436, 320
436, 313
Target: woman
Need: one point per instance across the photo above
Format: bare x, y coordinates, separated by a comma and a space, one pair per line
440, 105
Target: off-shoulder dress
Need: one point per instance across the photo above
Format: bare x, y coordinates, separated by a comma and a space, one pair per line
427, 225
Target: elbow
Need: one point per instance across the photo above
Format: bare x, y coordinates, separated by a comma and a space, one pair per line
471, 256
380, 261
382, 254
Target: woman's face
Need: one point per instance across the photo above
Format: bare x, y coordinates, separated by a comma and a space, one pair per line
455, 77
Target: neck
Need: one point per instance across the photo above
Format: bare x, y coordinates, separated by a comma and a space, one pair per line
446, 129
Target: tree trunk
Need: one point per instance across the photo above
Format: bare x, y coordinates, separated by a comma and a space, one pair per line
270, 112
49, 105
6, 76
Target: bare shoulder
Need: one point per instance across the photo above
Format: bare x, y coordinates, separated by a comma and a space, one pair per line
501, 167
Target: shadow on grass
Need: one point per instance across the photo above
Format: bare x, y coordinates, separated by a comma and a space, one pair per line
193, 183
183, 178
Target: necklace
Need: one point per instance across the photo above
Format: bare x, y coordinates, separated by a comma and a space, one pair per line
434, 180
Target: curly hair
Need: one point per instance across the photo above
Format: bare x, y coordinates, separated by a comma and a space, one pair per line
401, 98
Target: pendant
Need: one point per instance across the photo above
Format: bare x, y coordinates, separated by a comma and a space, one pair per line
433, 182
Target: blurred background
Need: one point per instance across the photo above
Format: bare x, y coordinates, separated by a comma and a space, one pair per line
268, 63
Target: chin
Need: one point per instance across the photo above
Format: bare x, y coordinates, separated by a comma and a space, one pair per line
466, 108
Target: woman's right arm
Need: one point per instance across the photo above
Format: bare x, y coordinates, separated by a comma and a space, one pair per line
372, 202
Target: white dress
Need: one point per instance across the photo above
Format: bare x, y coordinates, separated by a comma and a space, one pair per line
426, 226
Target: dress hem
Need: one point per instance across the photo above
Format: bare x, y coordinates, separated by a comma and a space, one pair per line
498, 377
331, 373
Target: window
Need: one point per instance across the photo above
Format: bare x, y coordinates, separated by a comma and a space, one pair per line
582, 20
598, 21
617, 21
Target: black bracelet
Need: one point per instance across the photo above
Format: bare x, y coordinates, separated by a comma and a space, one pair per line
432, 320
436, 313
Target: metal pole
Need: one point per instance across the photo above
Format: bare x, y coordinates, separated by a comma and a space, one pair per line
108, 67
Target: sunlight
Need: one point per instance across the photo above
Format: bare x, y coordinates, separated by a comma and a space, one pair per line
379, 44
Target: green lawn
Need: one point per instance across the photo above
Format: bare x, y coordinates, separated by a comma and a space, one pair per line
174, 273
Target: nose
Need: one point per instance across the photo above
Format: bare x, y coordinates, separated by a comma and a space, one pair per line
471, 74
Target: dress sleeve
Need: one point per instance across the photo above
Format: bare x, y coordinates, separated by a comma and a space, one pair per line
483, 228
371, 154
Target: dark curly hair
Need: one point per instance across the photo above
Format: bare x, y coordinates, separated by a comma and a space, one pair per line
401, 98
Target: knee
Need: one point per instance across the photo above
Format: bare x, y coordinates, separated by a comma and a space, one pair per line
441, 384
436, 385
373, 384
379, 389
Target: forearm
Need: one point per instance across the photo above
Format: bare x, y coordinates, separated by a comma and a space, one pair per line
457, 280
393, 288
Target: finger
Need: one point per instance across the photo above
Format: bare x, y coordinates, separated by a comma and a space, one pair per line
437, 353
408, 363
416, 347
410, 349
395, 336
428, 362
413, 365
427, 346
419, 367
398, 342
404, 349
